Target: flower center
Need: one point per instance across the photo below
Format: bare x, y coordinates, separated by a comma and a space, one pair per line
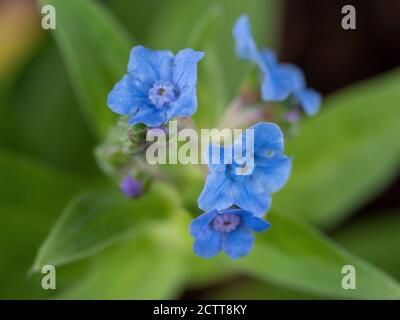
162, 93
226, 222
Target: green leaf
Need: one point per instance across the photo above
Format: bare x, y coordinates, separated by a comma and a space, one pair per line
151, 266
294, 255
345, 155
375, 239
95, 220
136, 16
31, 195
29, 184
95, 49
38, 107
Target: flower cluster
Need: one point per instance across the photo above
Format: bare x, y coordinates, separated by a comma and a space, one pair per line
237, 195
160, 86
279, 80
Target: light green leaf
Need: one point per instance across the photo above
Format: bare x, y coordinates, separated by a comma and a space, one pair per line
345, 155
95, 49
42, 118
375, 239
294, 255
29, 184
31, 195
95, 220
151, 266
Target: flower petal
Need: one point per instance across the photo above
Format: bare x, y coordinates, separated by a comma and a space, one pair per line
214, 156
208, 243
238, 243
200, 223
185, 105
148, 115
245, 46
251, 196
273, 172
310, 100
295, 75
124, 98
217, 192
267, 137
277, 81
185, 68
150, 65
255, 223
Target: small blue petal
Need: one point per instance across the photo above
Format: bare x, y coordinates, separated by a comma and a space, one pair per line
251, 196
310, 100
124, 99
246, 47
272, 172
208, 243
185, 105
185, 68
268, 57
150, 65
202, 222
267, 137
295, 76
273, 87
254, 223
238, 243
277, 81
217, 192
148, 115
214, 156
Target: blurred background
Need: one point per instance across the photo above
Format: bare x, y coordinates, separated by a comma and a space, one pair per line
40, 118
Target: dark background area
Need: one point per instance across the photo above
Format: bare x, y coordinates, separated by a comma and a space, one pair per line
312, 37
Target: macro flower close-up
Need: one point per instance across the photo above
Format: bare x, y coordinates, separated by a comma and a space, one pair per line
159, 86
279, 80
229, 230
207, 150
247, 184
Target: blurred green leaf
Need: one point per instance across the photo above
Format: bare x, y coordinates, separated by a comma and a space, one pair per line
345, 155
95, 49
41, 116
31, 195
375, 239
294, 255
95, 220
207, 25
137, 16
151, 266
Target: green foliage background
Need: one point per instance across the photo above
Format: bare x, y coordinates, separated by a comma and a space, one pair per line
57, 208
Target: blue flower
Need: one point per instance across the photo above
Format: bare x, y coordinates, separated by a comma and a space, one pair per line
247, 184
158, 86
228, 230
308, 99
279, 81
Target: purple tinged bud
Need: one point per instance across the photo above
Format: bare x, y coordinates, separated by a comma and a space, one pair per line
131, 188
